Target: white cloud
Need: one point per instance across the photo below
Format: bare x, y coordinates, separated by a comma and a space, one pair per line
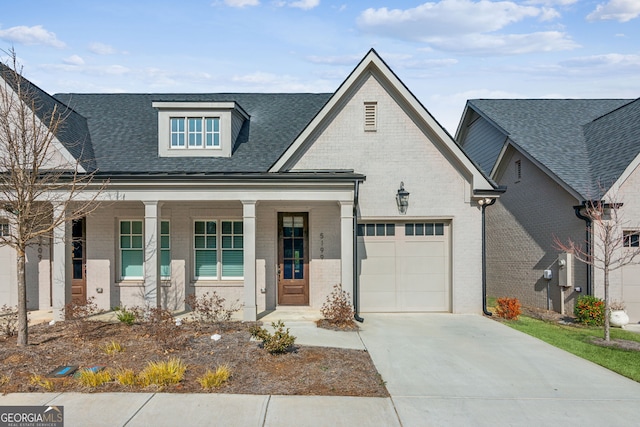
241, 3
510, 44
335, 60
31, 36
615, 60
447, 17
617, 10
300, 4
73, 60
101, 49
552, 2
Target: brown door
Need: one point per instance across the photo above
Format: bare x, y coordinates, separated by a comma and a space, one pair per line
293, 259
78, 262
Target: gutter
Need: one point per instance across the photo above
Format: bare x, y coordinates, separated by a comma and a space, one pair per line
356, 284
484, 259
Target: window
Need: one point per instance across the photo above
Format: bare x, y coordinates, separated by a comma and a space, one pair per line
195, 132
376, 229
165, 249
4, 229
631, 239
131, 250
424, 229
370, 116
218, 249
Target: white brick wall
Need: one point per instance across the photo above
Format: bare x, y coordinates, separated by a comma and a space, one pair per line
401, 151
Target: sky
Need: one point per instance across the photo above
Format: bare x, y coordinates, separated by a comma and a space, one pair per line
445, 51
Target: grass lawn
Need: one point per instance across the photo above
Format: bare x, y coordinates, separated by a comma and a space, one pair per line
577, 340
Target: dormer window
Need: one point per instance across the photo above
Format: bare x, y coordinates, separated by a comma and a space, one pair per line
198, 129
195, 132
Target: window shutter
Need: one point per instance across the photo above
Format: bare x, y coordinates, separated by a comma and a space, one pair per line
370, 116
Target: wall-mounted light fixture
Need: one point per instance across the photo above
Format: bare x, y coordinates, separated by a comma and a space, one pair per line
402, 198
488, 201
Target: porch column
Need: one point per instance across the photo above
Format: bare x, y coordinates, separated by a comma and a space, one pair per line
346, 246
60, 289
152, 253
249, 244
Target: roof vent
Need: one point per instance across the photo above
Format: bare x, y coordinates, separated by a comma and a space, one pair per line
370, 116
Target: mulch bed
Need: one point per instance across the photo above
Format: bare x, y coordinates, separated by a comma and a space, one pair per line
303, 371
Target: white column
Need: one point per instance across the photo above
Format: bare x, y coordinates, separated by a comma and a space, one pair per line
346, 246
60, 289
249, 237
152, 282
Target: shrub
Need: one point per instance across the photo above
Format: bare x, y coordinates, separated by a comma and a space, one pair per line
8, 320
113, 347
125, 377
337, 309
159, 322
78, 312
212, 379
128, 317
91, 378
41, 382
278, 342
211, 308
589, 310
162, 373
4, 380
508, 308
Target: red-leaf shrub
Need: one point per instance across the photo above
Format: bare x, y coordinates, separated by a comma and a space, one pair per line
508, 308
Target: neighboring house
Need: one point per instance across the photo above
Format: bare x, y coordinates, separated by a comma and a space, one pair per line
253, 195
554, 155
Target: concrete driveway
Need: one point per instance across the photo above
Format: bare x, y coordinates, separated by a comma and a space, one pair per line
456, 370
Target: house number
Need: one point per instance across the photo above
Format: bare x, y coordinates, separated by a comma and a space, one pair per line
321, 245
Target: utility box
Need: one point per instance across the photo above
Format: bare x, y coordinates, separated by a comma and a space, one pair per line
547, 274
565, 270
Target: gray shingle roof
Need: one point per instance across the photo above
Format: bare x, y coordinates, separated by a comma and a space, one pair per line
124, 130
564, 135
73, 133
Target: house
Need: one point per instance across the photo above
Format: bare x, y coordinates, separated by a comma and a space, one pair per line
270, 199
555, 155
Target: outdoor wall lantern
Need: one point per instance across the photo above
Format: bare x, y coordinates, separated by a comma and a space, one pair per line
402, 198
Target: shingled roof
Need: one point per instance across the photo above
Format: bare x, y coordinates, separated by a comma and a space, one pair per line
587, 143
124, 130
73, 133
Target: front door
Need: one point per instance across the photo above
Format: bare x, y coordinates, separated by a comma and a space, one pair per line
78, 262
293, 259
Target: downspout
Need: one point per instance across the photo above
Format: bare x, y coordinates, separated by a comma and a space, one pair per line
587, 220
356, 293
484, 260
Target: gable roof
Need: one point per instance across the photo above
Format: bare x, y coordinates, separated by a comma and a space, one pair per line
586, 143
73, 132
124, 130
373, 64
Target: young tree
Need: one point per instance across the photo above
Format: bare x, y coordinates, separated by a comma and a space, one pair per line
608, 252
40, 187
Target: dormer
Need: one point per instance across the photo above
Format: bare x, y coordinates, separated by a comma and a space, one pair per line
198, 129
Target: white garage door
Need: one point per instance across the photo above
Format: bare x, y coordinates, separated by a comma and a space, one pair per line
631, 291
404, 267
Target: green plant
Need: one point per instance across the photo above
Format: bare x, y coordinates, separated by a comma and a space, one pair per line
212, 379
508, 308
589, 310
278, 342
112, 348
128, 317
337, 309
125, 377
8, 320
162, 373
211, 308
91, 378
4, 380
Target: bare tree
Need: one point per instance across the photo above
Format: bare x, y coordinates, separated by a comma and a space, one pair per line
608, 250
35, 176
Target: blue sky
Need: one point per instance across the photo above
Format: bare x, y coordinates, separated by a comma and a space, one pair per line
445, 51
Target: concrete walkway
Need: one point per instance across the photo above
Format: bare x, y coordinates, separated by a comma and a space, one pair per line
440, 369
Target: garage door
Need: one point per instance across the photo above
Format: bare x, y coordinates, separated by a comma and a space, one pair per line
631, 291
404, 267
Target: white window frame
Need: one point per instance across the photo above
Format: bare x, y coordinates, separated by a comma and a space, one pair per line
218, 248
168, 249
4, 229
628, 240
120, 248
201, 135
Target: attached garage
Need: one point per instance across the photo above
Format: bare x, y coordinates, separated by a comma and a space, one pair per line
404, 266
631, 291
